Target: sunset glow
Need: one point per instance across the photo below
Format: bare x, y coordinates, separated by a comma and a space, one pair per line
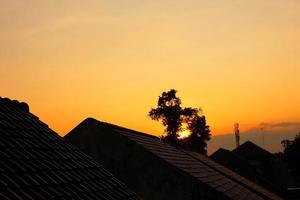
237, 60
183, 134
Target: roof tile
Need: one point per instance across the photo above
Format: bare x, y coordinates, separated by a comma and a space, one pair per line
38, 164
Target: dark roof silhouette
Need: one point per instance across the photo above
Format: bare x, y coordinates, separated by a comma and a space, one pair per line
250, 150
256, 164
156, 170
234, 162
36, 163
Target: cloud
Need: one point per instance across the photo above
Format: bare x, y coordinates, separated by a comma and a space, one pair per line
280, 125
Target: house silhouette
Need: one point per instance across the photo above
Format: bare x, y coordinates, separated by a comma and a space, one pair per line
256, 164
156, 170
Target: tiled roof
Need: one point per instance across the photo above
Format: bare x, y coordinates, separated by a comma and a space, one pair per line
234, 162
234, 176
241, 166
36, 163
218, 178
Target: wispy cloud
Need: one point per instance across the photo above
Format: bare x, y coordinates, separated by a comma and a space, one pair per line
280, 125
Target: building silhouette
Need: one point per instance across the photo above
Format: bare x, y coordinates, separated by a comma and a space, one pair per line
156, 170
256, 164
36, 163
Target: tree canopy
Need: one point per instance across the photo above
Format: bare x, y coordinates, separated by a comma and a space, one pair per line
291, 154
173, 116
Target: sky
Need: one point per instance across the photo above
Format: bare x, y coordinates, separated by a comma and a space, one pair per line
71, 59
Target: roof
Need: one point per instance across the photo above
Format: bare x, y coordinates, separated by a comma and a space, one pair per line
36, 163
242, 167
202, 169
250, 150
233, 162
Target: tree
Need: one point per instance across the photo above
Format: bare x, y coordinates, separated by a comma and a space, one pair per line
169, 112
291, 154
172, 116
200, 134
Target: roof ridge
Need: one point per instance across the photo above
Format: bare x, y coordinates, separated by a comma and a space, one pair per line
114, 126
248, 143
23, 106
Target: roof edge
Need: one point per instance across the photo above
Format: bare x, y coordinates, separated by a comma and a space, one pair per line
91, 120
16, 104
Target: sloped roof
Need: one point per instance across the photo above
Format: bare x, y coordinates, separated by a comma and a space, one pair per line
206, 172
234, 176
251, 150
234, 162
241, 166
36, 163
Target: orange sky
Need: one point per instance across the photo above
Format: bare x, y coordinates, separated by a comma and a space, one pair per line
72, 59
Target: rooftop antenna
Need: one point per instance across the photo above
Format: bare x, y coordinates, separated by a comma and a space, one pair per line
237, 134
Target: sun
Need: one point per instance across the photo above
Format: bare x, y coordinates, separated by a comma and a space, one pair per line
184, 134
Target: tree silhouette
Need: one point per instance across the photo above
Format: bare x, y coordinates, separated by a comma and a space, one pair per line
200, 133
291, 154
169, 112
172, 116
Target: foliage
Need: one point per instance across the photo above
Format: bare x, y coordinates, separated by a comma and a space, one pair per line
172, 116
291, 154
200, 134
169, 112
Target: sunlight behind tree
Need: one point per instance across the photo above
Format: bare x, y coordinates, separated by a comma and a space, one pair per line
184, 133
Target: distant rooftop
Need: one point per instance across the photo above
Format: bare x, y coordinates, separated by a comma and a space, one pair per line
256, 164
251, 150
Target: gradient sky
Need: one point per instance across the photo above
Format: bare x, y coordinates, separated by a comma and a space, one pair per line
111, 59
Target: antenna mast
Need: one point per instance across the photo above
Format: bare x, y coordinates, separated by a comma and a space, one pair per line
237, 134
